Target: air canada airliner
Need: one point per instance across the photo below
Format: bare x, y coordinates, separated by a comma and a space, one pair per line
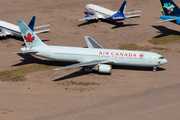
95, 57
98, 12
13, 30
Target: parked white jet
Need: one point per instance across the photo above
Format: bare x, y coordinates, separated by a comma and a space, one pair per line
11, 29
95, 57
99, 12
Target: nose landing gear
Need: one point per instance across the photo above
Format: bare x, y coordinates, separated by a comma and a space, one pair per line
154, 69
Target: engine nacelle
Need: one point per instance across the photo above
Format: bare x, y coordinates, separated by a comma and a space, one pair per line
87, 15
103, 68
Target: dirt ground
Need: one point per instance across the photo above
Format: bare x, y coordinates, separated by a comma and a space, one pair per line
128, 93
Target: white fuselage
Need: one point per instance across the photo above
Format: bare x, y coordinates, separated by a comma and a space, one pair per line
92, 9
10, 28
119, 57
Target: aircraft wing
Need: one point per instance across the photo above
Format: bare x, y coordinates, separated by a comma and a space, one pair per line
28, 51
91, 63
5, 33
92, 17
168, 20
92, 43
131, 16
130, 12
40, 26
41, 31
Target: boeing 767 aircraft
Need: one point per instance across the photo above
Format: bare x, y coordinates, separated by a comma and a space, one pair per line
95, 57
99, 12
11, 29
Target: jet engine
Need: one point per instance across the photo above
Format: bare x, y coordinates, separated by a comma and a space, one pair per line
87, 15
103, 68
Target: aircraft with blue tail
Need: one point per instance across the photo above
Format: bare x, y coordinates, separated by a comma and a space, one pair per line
170, 11
95, 57
98, 13
13, 30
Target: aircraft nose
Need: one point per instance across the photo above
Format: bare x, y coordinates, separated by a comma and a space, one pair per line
165, 61
86, 7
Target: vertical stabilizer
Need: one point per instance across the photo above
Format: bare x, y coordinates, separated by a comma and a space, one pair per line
122, 8
31, 23
169, 8
30, 38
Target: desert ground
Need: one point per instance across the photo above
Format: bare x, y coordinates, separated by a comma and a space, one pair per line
129, 93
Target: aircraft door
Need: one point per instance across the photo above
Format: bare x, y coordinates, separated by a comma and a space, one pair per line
100, 56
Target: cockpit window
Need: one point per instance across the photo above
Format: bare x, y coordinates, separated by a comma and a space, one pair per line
160, 58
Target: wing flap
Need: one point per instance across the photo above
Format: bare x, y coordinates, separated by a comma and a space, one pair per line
92, 43
168, 20
91, 63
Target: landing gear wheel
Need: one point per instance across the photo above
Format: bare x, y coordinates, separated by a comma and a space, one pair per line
87, 69
154, 69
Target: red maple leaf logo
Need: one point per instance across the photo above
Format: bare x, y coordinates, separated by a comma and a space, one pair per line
141, 55
29, 38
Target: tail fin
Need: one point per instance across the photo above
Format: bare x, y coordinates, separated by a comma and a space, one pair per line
169, 8
31, 23
30, 38
122, 8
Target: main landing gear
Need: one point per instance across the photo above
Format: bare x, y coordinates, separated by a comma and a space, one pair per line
87, 69
154, 69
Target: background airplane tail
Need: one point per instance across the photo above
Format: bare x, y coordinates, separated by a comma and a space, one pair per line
31, 23
169, 8
30, 38
122, 8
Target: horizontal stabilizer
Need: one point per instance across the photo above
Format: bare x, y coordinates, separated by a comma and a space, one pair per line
91, 63
168, 20
40, 26
41, 31
131, 16
92, 43
23, 52
130, 12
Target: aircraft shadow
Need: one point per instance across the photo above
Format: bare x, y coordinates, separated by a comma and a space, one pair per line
136, 68
72, 75
165, 31
78, 74
117, 24
87, 23
14, 37
81, 72
30, 59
